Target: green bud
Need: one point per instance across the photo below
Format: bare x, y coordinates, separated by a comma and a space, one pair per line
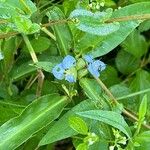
82, 73
80, 64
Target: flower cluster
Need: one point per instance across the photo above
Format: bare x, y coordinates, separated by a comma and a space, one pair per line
66, 70
94, 66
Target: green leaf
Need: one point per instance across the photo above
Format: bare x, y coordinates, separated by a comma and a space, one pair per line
144, 26
126, 63
39, 45
24, 25
143, 137
109, 117
78, 124
62, 32
143, 140
86, 41
82, 146
135, 44
25, 5
36, 116
139, 83
61, 128
93, 22
143, 108
9, 110
105, 76
47, 66
21, 70
91, 88
126, 27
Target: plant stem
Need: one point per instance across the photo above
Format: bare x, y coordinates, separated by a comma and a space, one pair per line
35, 60
30, 48
129, 18
114, 100
48, 33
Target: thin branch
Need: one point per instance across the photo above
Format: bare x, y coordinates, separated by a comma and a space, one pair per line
114, 100
48, 33
129, 18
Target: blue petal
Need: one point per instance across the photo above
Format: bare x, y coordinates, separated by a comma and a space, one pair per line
58, 71
88, 58
93, 70
99, 65
68, 62
102, 66
70, 78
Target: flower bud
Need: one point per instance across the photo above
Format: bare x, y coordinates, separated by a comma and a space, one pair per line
82, 73
80, 64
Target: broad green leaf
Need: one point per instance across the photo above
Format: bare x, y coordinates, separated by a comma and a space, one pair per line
105, 76
126, 27
62, 32
91, 88
143, 141
7, 11
86, 41
36, 116
109, 117
143, 137
139, 83
93, 23
25, 25
120, 90
9, 110
78, 125
19, 71
61, 128
39, 45
135, 44
144, 26
25, 5
143, 108
126, 63
47, 66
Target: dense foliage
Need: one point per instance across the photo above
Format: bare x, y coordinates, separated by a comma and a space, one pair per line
76, 73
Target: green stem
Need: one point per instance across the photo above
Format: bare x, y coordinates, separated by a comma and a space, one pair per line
30, 48
133, 94
48, 33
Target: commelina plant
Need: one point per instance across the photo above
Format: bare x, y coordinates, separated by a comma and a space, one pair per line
76, 73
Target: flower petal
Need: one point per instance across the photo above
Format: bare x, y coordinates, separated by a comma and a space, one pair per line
70, 78
102, 66
58, 71
88, 58
93, 70
68, 62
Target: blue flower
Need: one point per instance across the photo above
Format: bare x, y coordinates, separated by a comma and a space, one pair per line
70, 78
68, 62
66, 70
58, 71
88, 58
94, 66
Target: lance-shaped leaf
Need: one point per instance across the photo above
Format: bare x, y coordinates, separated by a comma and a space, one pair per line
109, 117
93, 23
62, 32
36, 116
61, 129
